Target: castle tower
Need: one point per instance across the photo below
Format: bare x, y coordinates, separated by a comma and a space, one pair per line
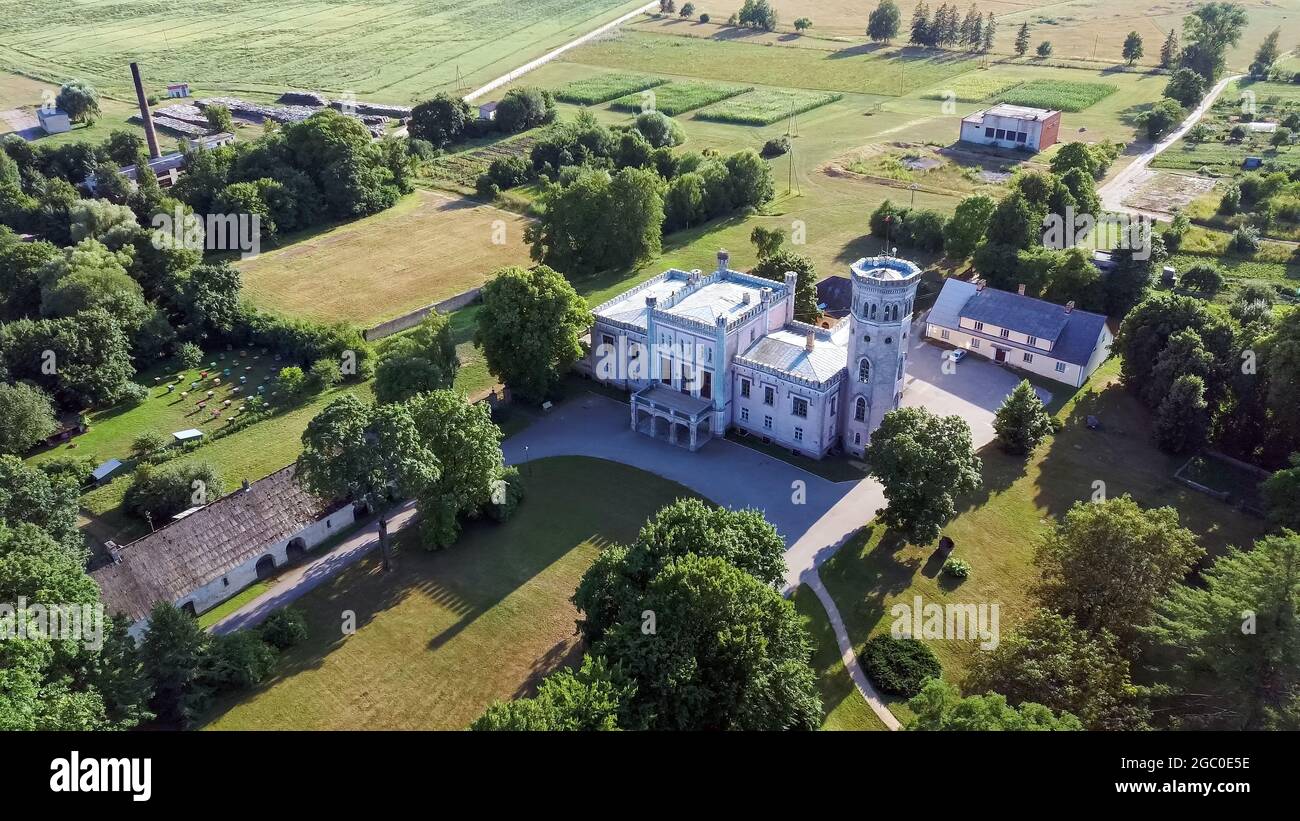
884, 289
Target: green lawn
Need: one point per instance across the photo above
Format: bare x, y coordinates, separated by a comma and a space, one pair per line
446, 633
233, 603
996, 528
843, 706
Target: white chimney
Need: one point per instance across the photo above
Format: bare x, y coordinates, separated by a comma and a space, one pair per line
811, 342
723, 259
1021, 290
1069, 306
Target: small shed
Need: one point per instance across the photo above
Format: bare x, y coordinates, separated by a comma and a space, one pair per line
53, 120
1251, 163
188, 435
488, 111
178, 90
105, 470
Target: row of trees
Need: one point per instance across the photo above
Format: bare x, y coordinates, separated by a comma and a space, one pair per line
946, 27
446, 119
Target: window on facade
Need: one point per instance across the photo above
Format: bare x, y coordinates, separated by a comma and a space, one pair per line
744, 414
943, 334
706, 385
1029, 357
769, 395
688, 377
979, 326
974, 343
857, 438
988, 132
901, 363
889, 340
1033, 340
860, 410
708, 354
864, 371
798, 434
1006, 334
834, 402
744, 388
799, 407
752, 331
666, 371
767, 422
1060, 367
873, 310
607, 340
1021, 137
1002, 134
866, 337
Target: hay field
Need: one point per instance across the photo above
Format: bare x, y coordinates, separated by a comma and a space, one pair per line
425, 249
389, 52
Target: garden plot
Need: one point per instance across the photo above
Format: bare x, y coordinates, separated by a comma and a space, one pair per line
766, 106
1059, 95
462, 169
677, 98
605, 87
972, 88
1166, 193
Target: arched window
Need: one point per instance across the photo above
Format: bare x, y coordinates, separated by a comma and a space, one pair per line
864, 371
860, 410
873, 311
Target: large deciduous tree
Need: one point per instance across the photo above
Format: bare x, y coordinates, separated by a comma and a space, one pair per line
774, 267
422, 360
440, 120
26, 417
529, 328
924, 461
882, 25
940, 706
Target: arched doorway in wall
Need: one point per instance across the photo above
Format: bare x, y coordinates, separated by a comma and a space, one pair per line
265, 567
296, 550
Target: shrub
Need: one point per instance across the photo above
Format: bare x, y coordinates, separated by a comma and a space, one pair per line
74, 469
190, 355
238, 660
1230, 202
292, 380
148, 443
704, 18
776, 146
284, 628
1245, 240
899, 666
1203, 277
957, 568
507, 493
325, 373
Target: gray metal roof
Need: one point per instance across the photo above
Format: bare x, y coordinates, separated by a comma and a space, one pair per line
1027, 315
786, 351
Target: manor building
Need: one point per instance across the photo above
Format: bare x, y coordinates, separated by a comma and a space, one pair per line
703, 353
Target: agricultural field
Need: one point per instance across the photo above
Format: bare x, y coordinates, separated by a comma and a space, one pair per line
1219, 153
448, 632
1061, 95
765, 106
460, 169
425, 249
973, 88
677, 98
247, 46
605, 87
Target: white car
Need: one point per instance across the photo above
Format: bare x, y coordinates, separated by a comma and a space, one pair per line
957, 355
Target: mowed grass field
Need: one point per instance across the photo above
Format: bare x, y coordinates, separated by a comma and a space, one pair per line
391, 52
447, 633
996, 528
425, 249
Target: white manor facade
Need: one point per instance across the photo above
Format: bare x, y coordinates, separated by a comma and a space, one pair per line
701, 353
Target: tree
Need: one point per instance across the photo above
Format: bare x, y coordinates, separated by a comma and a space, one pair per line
612, 588
1266, 55
467, 446
1022, 40
1052, 661
26, 417
1205, 277
688, 10
660, 130
940, 706
1281, 137
524, 108
1237, 632
1044, 49
147, 443
925, 462
592, 698
969, 222
1185, 86
422, 360
990, 29
1182, 423
441, 120
29, 496
1106, 564
1160, 118
598, 222
774, 267
219, 119
158, 492
882, 25
79, 100
1209, 31
1132, 51
529, 328
1074, 155
1281, 493
802, 24
921, 34
371, 454
767, 241
1149, 329
757, 14
237, 660
173, 653
1169, 50
728, 653
1022, 423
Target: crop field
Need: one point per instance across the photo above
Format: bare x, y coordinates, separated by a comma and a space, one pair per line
390, 52
765, 106
605, 87
1222, 155
973, 88
423, 250
1078, 29
677, 98
1062, 95
461, 169
832, 67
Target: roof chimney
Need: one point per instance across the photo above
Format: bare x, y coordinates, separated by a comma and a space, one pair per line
811, 342
1021, 289
723, 259
1069, 306
150, 135
979, 285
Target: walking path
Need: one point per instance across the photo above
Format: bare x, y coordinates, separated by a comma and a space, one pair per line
511, 76
1114, 192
